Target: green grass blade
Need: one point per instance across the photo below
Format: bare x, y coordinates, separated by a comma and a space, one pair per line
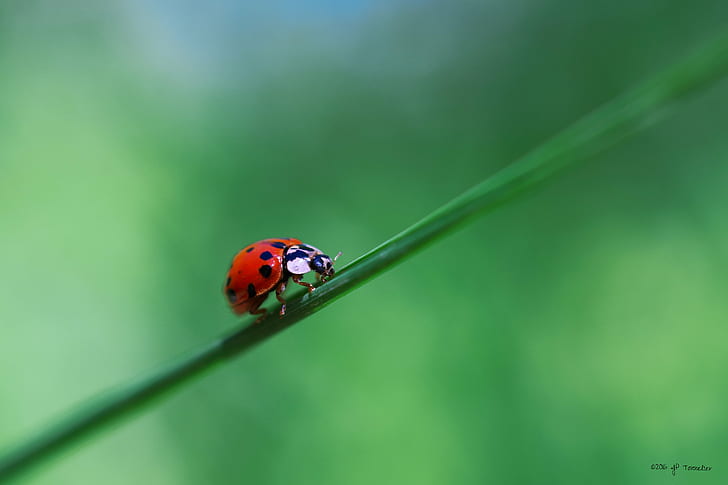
616, 120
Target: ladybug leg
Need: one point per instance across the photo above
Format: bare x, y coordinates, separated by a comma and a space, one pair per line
261, 312
297, 280
279, 291
255, 310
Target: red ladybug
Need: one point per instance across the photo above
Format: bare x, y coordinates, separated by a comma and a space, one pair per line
265, 266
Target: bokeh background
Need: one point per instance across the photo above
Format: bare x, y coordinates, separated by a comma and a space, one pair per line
577, 335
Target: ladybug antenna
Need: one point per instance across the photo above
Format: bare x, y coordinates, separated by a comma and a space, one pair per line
335, 257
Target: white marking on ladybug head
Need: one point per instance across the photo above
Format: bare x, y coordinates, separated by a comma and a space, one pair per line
298, 266
298, 258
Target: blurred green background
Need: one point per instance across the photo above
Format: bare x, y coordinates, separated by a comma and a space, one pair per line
578, 335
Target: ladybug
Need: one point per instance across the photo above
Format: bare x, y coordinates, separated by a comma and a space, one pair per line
266, 265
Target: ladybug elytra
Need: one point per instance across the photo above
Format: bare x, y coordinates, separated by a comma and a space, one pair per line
266, 265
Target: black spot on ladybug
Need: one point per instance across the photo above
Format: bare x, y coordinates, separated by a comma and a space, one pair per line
295, 254
228, 282
231, 294
265, 270
305, 247
265, 255
249, 249
251, 290
278, 245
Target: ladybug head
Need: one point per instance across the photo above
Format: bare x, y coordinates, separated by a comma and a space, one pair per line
323, 265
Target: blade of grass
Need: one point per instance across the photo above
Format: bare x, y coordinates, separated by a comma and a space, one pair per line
604, 127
